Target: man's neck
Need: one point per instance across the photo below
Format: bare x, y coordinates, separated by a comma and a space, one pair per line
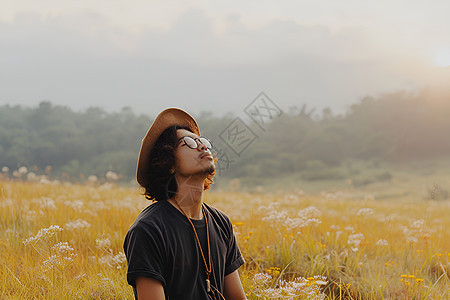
189, 196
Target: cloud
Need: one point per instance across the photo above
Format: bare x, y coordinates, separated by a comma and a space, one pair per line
197, 39
199, 62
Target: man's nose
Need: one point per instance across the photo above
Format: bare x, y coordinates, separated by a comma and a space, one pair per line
201, 146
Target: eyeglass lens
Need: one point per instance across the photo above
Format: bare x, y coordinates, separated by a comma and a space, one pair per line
193, 144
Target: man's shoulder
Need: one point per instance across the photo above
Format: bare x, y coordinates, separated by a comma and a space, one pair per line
218, 215
215, 211
152, 215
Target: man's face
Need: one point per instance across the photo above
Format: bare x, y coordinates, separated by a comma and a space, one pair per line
190, 161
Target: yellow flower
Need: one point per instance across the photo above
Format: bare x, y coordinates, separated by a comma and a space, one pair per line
411, 276
389, 263
273, 271
403, 275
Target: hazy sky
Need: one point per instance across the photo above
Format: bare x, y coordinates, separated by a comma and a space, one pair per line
218, 55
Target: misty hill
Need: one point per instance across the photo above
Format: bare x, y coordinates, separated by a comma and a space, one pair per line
394, 128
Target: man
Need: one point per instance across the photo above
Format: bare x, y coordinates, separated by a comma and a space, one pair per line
179, 247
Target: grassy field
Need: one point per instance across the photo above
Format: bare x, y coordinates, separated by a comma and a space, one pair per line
64, 241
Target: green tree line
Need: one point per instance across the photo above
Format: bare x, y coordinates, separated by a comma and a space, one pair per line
397, 127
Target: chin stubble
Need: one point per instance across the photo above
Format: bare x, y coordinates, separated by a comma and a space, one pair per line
210, 170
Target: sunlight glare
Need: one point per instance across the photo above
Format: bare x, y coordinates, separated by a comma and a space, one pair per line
442, 59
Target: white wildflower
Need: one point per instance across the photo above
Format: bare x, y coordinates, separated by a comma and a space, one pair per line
62, 256
355, 240
45, 202
382, 242
90, 212
30, 215
106, 186
350, 228
80, 276
62, 248
299, 288
77, 224
276, 217
119, 258
272, 293
305, 218
365, 212
419, 224
32, 177
98, 205
44, 233
103, 242
273, 206
92, 178
76, 204
108, 283
411, 239
261, 279
22, 170
5, 169
291, 198
320, 280
110, 175
127, 204
44, 180
291, 223
334, 227
334, 196
310, 212
53, 260
7, 202
415, 231
114, 261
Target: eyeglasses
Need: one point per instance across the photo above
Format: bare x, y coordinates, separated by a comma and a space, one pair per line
192, 142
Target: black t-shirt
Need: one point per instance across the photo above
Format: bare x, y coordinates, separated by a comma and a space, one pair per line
161, 245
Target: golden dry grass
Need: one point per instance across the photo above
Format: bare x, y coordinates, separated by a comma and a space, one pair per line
366, 249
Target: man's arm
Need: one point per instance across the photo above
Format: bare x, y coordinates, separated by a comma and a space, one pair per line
149, 289
232, 288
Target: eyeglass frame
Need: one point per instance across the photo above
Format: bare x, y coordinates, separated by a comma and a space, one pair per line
195, 140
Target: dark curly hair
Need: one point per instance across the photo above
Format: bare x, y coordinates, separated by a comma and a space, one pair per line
162, 184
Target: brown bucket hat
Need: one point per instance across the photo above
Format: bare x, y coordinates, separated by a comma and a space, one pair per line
168, 117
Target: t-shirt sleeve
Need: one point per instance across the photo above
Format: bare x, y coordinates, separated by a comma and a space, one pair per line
143, 249
234, 257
